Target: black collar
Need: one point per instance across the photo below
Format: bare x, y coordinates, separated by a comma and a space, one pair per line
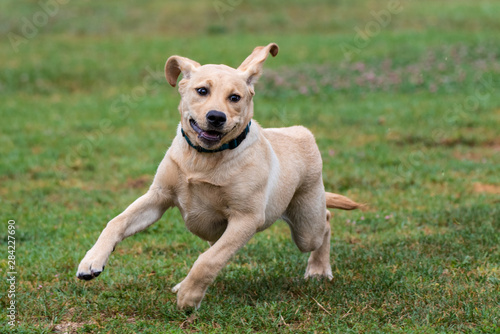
229, 145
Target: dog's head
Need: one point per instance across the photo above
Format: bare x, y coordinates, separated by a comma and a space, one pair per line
216, 100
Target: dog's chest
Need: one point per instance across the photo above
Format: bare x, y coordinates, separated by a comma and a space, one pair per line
203, 207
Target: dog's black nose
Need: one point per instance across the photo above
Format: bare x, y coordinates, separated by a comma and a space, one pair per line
216, 118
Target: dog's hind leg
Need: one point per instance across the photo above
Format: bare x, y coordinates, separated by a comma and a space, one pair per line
318, 264
310, 226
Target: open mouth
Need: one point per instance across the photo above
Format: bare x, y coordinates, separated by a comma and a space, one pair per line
211, 137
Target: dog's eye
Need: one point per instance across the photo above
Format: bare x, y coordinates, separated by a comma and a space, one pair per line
202, 91
234, 98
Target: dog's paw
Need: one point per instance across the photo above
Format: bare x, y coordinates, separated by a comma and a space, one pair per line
318, 271
188, 298
90, 267
176, 288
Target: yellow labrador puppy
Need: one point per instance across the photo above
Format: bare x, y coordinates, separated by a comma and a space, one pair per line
229, 177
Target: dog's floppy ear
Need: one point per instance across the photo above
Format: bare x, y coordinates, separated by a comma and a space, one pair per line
252, 66
177, 64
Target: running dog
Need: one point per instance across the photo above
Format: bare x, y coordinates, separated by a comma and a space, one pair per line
229, 177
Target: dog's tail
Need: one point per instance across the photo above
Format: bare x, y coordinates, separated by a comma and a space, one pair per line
336, 201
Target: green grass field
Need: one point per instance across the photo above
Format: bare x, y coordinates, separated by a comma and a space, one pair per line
404, 100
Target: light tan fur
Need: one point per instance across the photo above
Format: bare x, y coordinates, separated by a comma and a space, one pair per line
226, 197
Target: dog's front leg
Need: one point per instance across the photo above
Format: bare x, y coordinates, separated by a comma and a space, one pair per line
192, 289
146, 210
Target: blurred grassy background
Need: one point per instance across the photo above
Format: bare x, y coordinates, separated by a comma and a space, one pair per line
407, 123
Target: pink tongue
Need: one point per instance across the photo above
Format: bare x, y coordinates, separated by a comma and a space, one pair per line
209, 136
